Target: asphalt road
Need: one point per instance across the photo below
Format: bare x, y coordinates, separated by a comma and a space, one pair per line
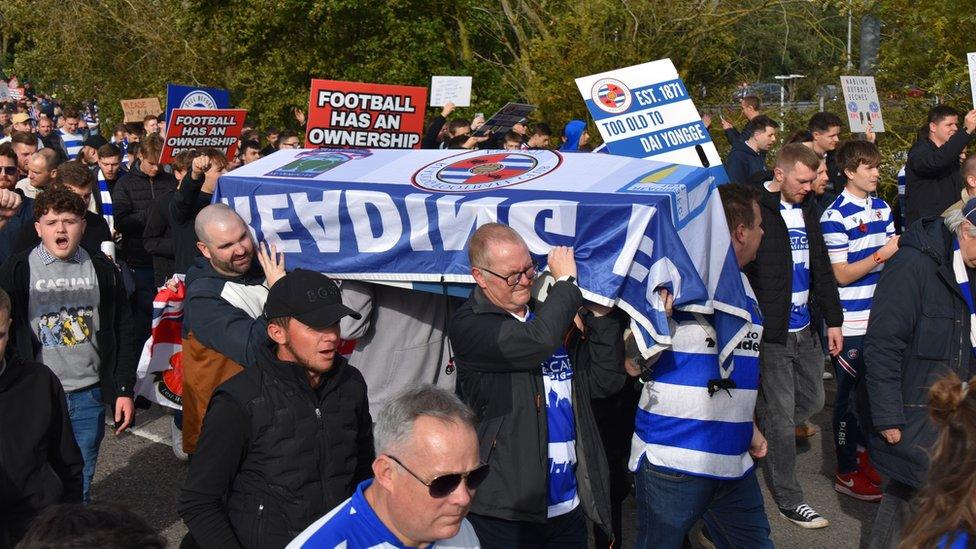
138, 470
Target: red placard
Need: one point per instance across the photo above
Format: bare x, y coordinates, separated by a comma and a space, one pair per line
201, 128
373, 116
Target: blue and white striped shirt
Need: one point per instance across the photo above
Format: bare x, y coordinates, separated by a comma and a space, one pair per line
72, 143
354, 525
678, 425
853, 229
795, 226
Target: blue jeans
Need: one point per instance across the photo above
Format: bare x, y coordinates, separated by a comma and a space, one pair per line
670, 503
87, 415
849, 370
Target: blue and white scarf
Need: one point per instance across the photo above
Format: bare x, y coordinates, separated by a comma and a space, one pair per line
962, 279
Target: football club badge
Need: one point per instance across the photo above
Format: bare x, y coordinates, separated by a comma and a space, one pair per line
485, 170
611, 95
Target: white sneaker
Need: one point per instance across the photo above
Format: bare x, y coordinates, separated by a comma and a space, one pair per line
176, 435
828, 375
804, 516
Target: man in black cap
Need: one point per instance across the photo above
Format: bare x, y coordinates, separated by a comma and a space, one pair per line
89, 150
288, 439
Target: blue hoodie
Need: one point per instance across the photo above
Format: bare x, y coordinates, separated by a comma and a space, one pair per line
573, 130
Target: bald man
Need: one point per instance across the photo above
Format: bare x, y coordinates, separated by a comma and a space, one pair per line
223, 328
41, 170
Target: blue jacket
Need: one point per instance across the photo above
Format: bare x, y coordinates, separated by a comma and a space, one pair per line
918, 332
743, 163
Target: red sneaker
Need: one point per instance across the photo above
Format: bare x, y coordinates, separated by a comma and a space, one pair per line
857, 486
867, 469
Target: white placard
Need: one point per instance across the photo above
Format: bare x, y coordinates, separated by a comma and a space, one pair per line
862, 103
645, 111
456, 89
971, 57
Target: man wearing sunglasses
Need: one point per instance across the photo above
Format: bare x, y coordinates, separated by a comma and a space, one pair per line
529, 374
426, 472
288, 438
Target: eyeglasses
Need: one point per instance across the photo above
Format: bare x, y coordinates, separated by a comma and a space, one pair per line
443, 485
9, 170
513, 279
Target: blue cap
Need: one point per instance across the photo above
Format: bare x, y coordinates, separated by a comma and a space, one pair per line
969, 211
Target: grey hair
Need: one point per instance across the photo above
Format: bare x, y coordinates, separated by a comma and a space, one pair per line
394, 424
954, 222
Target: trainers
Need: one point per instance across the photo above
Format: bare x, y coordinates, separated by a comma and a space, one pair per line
867, 469
858, 486
804, 516
176, 436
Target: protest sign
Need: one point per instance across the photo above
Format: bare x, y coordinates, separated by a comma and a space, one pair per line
200, 128
4, 91
456, 89
16, 94
645, 111
406, 216
190, 97
503, 120
356, 114
136, 110
971, 57
863, 106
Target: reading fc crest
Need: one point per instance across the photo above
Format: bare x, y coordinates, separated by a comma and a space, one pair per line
198, 99
611, 95
485, 170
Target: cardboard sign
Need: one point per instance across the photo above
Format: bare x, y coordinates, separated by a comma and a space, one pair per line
136, 110
862, 103
190, 97
456, 89
16, 94
200, 128
503, 120
355, 114
971, 57
645, 111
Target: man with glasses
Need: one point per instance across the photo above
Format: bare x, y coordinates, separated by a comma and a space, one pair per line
529, 370
289, 140
288, 438
426, 472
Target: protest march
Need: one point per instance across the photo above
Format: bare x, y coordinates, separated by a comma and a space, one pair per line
393, 321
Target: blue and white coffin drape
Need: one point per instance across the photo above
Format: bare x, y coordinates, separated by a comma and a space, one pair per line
407, 215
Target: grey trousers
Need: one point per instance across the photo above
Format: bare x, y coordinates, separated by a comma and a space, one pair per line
893, 514
791, 391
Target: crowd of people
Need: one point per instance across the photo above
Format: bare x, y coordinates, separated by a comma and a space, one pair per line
502, 420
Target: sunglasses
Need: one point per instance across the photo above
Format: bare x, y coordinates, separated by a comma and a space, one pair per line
9, 170
443, 485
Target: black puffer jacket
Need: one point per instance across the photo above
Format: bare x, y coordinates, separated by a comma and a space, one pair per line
131, 199
499, 362
275, 455
40, 464
770, 273
918, 332
932, 179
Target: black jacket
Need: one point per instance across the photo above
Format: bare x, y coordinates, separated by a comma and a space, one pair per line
918, 332
932, 179
771, 273
118, 349
40, 464
187, 202
157, 238
743, 162
275, 455
96, 232
431, 138
500, 376
131, 198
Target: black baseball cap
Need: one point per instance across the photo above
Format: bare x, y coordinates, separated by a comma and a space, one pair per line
310, 297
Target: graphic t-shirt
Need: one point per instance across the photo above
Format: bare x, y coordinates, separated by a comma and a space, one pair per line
800, 311
63, 309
